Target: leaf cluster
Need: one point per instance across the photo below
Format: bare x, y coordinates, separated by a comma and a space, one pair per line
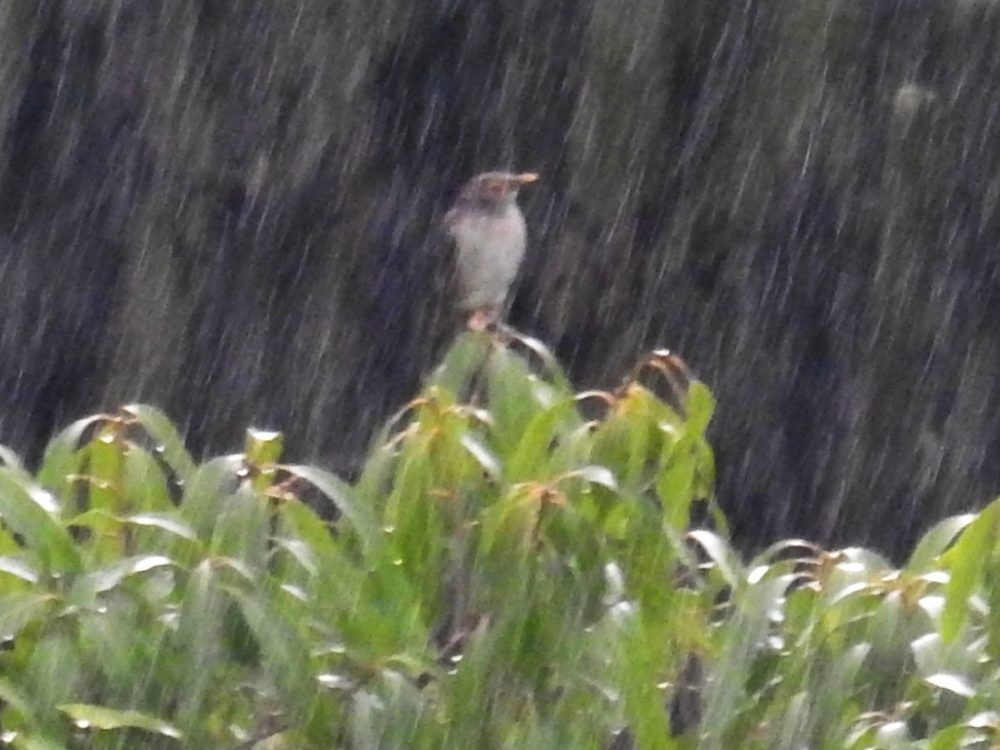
518, 565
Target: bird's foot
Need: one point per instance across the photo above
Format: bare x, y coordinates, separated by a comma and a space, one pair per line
482, 318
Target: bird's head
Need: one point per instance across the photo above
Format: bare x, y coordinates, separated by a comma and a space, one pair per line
496, 188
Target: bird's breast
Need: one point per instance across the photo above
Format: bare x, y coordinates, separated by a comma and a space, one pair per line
486, 236
490, 249
485, 228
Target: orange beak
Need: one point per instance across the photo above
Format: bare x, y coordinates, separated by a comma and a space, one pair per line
524, 178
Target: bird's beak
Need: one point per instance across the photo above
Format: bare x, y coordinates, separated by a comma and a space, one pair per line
524, 178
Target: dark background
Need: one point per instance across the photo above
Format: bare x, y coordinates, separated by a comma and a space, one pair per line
228, 208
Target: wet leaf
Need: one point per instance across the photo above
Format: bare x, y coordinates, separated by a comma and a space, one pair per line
144, 486
700, 407
461, 364
936, 541
61, 459
953, 683
20, 609
18, 568
199, 645
285, 654
36, 742
105, 579
675, 485
166, 438
720, 553
11, 461
30, 511
207, 491
949, 738
263, 450
599, 475
243, 528
965, 563
481, 454
165, 522
88, 716
532, 451
341, 493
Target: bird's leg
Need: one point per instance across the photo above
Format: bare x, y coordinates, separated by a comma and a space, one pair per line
503, 333
482, 318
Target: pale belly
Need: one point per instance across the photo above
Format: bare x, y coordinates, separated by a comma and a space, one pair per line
490, 251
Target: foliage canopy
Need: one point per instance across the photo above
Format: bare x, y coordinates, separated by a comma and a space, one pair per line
518, 566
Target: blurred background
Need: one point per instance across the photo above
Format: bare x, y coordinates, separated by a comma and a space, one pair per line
229, 208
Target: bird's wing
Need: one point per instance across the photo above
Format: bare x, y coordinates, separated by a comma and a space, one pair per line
450, 220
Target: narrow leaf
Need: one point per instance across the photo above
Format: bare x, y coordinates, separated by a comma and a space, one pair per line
88, 716
20, 609
342, 495
935, 541
30, 512
965, 563
168, 441
61, 458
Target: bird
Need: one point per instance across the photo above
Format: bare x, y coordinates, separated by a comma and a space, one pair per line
489, 234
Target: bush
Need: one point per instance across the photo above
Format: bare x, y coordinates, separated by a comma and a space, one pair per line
517, 566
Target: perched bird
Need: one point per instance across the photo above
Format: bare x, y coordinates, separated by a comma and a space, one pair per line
489, 234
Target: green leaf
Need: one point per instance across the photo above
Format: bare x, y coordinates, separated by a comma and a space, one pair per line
744, 630
55, 671
104, 524
168, 441
20, 609
936, 541
18, 568
953, 683
105, 466
14, 697
602, 476
644, 665
700, 406
32, 512
87, 716
508, 524
481, 455
285, 653
12, 462
62, 459
301, 552
36, 742
165, 522
838, 679
514, 398
207, 491
949, 738
304, 526
243, 528
341, 493
199, 649
338, 576
721, 554
991, 584
635, 437
551, 369
144, 485
461, 364
965, 563
531, 454
105, 579
263, 449
675, 484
